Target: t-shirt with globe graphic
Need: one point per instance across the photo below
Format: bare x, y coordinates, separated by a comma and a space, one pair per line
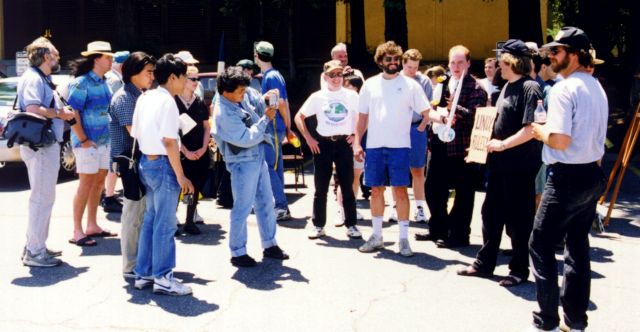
335, 111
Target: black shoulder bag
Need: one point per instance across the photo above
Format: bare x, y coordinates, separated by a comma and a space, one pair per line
127, 169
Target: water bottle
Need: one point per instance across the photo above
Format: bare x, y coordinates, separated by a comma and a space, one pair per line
540, 115
293, 139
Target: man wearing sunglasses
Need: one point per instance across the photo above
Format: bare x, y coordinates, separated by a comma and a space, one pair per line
335, 111
386, 104
573, 138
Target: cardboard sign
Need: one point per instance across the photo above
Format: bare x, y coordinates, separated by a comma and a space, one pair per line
22, 62
481, 134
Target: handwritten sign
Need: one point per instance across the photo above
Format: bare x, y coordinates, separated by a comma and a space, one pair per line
481, 134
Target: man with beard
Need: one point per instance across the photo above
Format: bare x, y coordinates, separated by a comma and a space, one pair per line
386, 104
447, 167
573, 138
36, 96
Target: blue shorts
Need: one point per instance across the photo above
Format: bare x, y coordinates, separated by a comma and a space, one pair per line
387, 166
418, 154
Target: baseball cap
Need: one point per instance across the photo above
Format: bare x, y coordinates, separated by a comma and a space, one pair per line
187, 57
245, 63
120, 56
332, 65
515, 47
264, 48
596, 61
570, 37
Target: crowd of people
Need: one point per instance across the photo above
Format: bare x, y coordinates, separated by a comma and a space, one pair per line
145, 120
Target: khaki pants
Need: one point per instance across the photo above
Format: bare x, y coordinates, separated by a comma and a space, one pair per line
131, 222
42, 166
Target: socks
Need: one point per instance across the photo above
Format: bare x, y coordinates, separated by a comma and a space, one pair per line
420, 203
377, 226
404, 229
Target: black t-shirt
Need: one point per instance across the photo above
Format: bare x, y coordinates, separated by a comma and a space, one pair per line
198, 112
516, 107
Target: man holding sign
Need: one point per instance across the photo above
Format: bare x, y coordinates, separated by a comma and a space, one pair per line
513, 162
447, 167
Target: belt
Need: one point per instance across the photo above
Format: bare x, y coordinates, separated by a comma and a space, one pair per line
570, 166
335, 137
153, 156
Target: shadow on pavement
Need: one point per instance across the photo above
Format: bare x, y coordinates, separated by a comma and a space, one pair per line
601, 255
328, 241
622, 226
295, 223
294, 197
109, 246
419, 259
266, 275
211, 235
184, 306
114, 216
43, 277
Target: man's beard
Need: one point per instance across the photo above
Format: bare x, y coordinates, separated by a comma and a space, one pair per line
390, 71
559, 66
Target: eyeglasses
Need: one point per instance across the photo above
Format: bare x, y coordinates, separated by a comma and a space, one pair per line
390, 59
334, 75
193, 79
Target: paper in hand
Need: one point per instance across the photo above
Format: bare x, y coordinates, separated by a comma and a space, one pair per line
186, 123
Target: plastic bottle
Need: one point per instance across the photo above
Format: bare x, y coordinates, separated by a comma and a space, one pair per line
540, 115
293, 139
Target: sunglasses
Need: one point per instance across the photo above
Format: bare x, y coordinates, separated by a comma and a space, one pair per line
193, 79
390, 59
554, 50
334, 75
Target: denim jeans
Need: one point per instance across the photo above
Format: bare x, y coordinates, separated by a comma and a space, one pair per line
156, 246
340, 153
567, 210
276, 176
42, 168
251, 187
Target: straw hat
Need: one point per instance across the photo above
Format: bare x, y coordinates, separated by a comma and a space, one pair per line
98, 47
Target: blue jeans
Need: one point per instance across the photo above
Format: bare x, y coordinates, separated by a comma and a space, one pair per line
567, 210
251, 187
156, 246
276, 176
387, 167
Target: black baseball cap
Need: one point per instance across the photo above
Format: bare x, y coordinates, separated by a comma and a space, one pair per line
570, 37
515, 47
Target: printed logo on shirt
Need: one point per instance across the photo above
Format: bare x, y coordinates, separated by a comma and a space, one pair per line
336, 112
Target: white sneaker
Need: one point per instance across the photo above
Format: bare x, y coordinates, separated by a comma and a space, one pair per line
359, 216
316, 233
353, 233
143, 282
339, 221
419, 216
405, 249
197, 218
394, 216
43, 259
282, 214
373, 243
170, 286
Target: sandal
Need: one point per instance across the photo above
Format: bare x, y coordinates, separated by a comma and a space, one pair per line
511, 281
471, 271
84, 242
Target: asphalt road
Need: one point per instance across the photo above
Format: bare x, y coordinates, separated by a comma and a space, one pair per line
327, 285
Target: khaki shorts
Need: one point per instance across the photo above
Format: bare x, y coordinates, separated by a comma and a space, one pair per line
91, 160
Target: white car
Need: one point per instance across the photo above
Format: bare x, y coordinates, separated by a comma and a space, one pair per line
8, 88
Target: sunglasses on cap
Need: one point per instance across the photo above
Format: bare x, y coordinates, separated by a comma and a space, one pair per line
334, 74
389, 58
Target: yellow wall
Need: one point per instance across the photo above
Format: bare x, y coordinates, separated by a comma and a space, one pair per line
435, 26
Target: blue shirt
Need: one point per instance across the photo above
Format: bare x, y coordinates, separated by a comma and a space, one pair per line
121, 113
425, 84
273, 80
32, 90
90, 95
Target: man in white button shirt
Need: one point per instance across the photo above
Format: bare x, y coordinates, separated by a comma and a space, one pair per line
155, 127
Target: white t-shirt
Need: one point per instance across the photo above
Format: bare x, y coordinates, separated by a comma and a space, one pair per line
390, 104
155, 117
335, 111
578, 108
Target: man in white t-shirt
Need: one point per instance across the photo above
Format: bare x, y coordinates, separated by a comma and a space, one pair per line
386, 104
335, 109
155, 127
573, 138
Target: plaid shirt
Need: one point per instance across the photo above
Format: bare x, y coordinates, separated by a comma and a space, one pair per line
471, 97
123, 104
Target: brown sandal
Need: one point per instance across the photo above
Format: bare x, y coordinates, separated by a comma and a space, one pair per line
511, 281
471, 271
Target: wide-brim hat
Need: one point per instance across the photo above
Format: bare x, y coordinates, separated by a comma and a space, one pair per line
98, 47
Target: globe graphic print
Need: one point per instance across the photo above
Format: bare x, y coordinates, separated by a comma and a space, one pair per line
335, 112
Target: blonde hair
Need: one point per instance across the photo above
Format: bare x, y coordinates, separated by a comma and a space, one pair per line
460, 49
390, 48
411, 54
520, 65
192, 70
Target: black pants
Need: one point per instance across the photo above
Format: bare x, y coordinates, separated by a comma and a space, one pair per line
196, 171
567, 209
340, 153
443, 173
510, 201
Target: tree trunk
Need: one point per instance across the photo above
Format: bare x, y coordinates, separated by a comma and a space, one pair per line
358, 50
395, 22
524, 20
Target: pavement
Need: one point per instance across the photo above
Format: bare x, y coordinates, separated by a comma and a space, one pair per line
327, 285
